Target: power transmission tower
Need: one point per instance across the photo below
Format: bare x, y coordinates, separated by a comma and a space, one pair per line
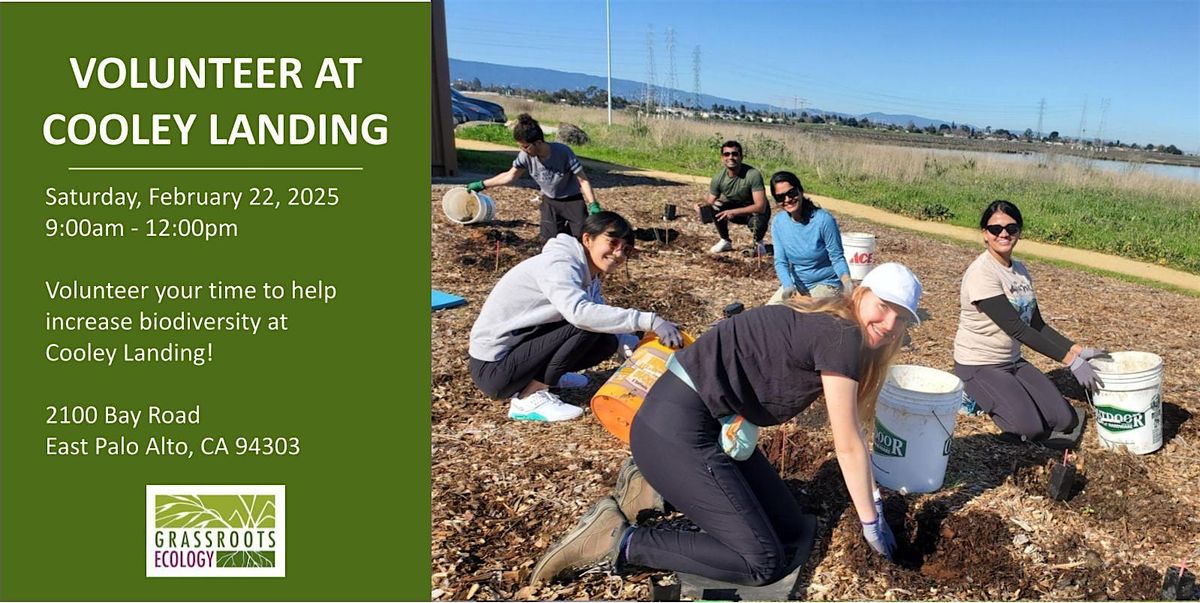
650, 71
1041, 113
1082, 123
696, 77
1103, 115
672, 83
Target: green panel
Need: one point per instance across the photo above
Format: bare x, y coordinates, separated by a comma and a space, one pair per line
316, 407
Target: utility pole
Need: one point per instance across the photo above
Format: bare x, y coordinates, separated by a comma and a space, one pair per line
1041, 112
696, 77
608, 52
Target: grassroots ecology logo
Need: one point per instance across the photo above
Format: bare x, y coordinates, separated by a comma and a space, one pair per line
214, 531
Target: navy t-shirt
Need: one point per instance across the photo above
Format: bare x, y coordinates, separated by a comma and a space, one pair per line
765, 364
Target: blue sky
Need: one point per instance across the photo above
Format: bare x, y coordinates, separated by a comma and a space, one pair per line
983, 63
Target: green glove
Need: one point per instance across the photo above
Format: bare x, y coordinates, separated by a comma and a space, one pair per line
593, 207
476, 186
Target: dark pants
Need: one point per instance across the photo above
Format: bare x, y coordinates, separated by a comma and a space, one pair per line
564, 215
544, 354
748, 515
757, 222
1020, 398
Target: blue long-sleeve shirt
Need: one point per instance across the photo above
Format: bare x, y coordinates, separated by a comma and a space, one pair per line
810, 254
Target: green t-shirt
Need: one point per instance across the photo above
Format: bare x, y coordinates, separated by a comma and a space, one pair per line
737, 188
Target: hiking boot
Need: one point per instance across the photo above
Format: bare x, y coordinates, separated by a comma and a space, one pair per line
542, 406
721, 247
634, 494
572, 381
596, 538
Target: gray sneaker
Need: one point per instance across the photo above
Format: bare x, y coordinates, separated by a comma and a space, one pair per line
595, 539
633, 493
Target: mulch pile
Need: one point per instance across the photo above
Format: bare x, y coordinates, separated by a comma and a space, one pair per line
504, 491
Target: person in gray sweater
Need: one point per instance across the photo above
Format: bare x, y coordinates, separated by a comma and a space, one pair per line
546, 317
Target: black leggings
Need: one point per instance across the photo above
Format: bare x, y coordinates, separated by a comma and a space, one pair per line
749, 517
1020, 398
543, 354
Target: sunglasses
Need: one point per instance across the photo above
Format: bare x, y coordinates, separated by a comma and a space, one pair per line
1012, 229
730, 154
789, 195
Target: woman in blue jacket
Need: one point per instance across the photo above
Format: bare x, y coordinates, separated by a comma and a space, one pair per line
808, 245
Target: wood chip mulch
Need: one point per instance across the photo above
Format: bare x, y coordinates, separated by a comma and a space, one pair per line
504, 491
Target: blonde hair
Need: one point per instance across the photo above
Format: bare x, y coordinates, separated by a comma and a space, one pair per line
876, 362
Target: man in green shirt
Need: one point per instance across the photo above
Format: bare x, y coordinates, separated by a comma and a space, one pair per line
737, 195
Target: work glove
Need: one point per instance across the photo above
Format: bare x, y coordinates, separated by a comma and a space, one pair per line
593, 208
626, 344
787, 292
667, 332
888, 536
1085, 374
476, 186
879, 536
739, 437
1090, 353
847, 287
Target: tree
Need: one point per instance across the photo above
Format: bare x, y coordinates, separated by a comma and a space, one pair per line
476, 84
1028, 134
944, 128
1054, 136
1171, 149
742, 109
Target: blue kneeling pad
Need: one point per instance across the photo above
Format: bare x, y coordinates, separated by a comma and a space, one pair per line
443, 300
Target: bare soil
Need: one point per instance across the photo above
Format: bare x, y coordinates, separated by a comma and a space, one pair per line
502, 492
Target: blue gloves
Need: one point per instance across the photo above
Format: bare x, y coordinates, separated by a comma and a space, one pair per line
626, 344
593, 207
739, 437
1090, 353
1085, 374
476, 186
877, 533
667, 333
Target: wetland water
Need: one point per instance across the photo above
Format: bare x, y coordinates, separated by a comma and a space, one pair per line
1175, 172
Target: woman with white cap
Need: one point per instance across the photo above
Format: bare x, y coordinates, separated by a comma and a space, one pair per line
763, 367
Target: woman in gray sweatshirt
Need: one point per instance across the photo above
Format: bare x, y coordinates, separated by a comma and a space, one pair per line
546, 317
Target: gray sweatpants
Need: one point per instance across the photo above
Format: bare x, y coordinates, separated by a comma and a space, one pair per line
1019, 398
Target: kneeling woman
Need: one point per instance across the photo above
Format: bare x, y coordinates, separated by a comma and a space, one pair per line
998, 313
765, 365
546, 317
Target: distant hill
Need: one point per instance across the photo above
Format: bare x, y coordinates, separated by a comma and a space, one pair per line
492, 74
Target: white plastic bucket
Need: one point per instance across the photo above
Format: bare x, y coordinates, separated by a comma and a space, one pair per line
1129, 404
914, 423
859, 249
461, 206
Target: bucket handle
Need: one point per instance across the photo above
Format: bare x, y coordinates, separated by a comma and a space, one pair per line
943, 425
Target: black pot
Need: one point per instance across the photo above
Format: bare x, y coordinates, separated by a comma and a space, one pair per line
669, 211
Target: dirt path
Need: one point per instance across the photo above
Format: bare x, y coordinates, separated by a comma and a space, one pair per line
1090, 259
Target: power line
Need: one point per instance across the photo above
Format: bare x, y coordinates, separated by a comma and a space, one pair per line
1041, 112
672, 83
696, 77
650, 71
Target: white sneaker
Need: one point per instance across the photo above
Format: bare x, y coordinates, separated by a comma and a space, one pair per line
721, 246
572, 381
542, 406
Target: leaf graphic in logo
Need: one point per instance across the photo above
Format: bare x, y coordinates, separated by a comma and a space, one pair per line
245, 559
214, 511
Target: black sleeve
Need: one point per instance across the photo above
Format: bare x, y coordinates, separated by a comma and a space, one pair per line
1045, 341
1048, 332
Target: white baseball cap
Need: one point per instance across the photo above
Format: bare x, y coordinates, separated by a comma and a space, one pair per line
895, 283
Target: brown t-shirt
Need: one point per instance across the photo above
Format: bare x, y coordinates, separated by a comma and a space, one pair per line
979, 340
765, 364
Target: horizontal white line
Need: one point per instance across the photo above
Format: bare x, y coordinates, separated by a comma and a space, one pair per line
214, 169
